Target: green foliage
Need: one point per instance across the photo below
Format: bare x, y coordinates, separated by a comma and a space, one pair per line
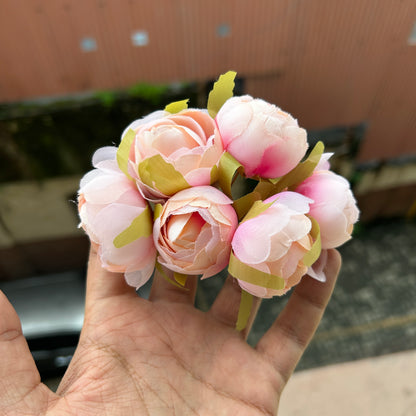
106, 98
358, 230
58, 137
356, 178
152, 93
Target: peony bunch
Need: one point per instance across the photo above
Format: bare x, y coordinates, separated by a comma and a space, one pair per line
166, 196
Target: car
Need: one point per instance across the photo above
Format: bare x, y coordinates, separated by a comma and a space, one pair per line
51, 310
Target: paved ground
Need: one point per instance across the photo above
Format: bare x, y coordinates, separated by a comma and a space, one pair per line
382, 386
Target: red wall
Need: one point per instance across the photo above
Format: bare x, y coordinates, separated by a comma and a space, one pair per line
328, 62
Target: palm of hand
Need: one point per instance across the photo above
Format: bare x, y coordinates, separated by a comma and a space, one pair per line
176, 360
164, 357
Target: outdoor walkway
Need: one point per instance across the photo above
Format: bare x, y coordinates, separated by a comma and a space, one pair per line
382, 386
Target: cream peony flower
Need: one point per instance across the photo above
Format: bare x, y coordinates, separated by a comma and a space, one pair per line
194, 231
171, 152
108, 202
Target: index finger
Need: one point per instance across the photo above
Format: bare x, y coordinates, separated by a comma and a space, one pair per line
102, 284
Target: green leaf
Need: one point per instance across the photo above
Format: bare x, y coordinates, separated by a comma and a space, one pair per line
177, 106
244, 310
161, 175
248, 274
157, 211
124, 150
256, 209
141, 226
214, 174
180, 278
302, 171
266, 189
243, 205
313, 254
167, 278
222, 91
228, 166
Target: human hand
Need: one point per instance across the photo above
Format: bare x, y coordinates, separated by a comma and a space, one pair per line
162, 356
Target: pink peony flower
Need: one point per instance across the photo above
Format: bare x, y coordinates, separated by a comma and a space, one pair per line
334, 205
194, 231
108, 202
266, 140
275, 242
184, 140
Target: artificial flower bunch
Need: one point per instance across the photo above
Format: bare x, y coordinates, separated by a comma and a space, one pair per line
167, 196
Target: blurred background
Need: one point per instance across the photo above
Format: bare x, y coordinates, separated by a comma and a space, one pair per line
74, 74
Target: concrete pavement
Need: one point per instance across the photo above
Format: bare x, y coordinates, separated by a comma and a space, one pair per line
382, 386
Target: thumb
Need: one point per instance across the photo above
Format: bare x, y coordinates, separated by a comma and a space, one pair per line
20, 386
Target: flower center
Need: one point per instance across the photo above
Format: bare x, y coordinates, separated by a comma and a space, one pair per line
183, 230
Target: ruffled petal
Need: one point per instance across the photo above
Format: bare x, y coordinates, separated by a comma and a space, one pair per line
104, 154
137, 278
